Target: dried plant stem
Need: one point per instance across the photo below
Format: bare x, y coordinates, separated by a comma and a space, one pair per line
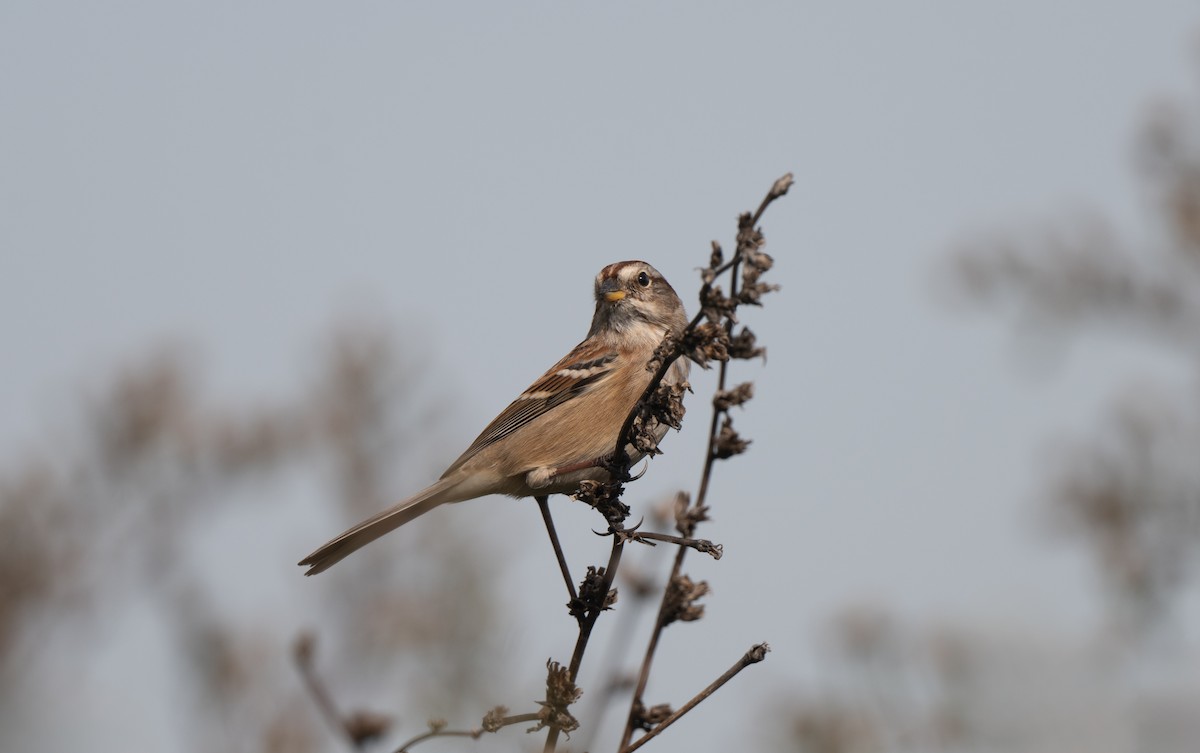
616, 683
704, 546
589, 619
778, 189
586, 623
474, 734
677, 568
303, 654
713, 428
648, 659
544, 505
753, 656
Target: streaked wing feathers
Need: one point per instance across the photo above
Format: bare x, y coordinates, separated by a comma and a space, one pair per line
574, 375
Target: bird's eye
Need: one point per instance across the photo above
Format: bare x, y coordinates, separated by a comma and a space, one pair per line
643, 279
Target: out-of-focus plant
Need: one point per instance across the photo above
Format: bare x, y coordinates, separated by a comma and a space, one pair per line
106, 524
1131, 491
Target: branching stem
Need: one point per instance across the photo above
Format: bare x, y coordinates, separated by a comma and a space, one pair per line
303, 654
704, 546
779, 188
753, 656
474, 734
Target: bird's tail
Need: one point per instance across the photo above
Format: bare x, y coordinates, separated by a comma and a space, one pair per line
385, 522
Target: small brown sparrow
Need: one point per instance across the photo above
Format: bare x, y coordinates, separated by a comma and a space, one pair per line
547, 440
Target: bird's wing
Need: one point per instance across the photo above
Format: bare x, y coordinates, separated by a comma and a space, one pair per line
576, 374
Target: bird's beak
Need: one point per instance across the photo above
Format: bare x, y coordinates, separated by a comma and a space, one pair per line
610, 290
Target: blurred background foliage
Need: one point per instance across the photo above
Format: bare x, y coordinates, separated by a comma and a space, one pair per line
118, 518
1126, 497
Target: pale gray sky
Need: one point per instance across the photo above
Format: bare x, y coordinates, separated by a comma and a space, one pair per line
239, 174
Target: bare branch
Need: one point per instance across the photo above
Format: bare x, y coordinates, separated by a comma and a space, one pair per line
544, 505
357, 729
493, 721
756, 654
704, 546
474, 734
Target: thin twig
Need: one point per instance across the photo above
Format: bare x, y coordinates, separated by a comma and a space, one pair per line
544, 503
589, 621
618, 644
586, 623
704, 546
778, 189
303, 652
651, 647
474, 734
753, 656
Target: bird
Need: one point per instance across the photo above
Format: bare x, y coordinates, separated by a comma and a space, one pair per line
552, 436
